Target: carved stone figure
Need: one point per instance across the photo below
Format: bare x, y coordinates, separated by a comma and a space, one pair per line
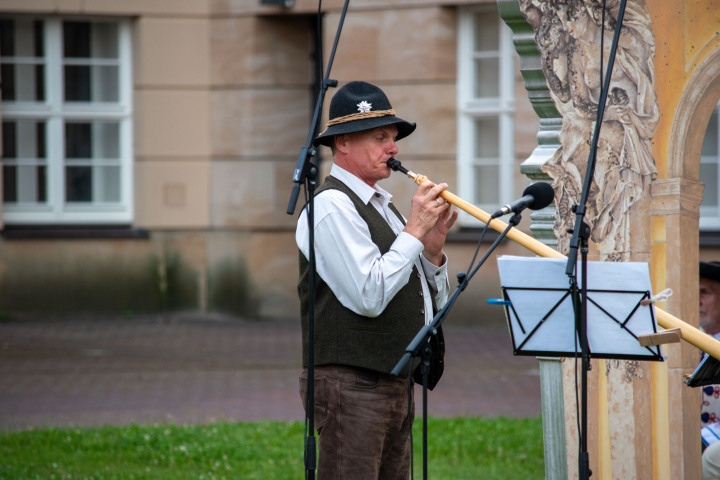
569, 34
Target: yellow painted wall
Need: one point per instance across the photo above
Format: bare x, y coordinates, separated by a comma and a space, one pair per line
687, 37
685, 34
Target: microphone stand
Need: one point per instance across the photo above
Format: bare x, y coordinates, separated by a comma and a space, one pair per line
421, 345
306, 174
579, 242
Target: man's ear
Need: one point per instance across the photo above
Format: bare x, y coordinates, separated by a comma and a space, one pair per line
341, 143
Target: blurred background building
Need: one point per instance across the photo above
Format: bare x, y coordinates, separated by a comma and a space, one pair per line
148, 150
148, 147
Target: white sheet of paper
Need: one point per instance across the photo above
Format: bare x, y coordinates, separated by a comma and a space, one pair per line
542, 317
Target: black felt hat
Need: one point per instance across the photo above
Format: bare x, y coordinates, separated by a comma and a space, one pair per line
359, 106
710, 270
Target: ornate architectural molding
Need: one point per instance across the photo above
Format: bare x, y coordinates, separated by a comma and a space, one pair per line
691, 118
541, 100
676, 196
568, 38
537, 88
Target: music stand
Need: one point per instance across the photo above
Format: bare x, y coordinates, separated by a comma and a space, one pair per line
541, 319
706, 373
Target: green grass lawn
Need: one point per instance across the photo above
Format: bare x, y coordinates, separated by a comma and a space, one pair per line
459, 448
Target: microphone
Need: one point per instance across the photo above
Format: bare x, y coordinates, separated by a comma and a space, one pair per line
536, 196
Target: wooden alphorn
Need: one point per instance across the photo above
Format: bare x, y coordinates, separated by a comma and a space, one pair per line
692, 335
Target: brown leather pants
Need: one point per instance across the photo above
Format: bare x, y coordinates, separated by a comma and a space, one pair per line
363, 424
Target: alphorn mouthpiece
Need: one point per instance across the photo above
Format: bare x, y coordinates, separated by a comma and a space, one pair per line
395, 165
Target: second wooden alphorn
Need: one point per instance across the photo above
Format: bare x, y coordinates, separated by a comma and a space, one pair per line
692, 335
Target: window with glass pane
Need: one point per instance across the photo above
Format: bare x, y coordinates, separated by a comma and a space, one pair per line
90, 57
487, 189
23, 60
92, 154
487, 135
24, 162
486, 55
66, 112
710, 174
487, 82
486, 160
485, 67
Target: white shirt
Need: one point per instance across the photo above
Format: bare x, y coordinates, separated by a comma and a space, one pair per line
350, 263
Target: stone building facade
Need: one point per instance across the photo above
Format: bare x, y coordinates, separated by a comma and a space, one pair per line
148, 148
208, 107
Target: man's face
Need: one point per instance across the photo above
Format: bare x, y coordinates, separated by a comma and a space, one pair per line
365, 154
709, 306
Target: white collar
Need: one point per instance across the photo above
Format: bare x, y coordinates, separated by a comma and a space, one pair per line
360, 188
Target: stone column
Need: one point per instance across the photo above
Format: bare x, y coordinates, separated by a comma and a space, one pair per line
551, 376
675, 207
558, 43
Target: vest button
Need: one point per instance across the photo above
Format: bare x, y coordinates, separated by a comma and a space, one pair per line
422, 311
420, 292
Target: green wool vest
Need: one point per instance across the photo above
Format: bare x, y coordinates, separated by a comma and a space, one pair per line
342, 337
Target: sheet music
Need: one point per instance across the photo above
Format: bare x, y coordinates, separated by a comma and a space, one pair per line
542, 318
602, 275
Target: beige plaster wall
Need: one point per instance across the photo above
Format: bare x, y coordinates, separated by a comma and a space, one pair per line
253, 51
172, 121
248, 7
172, 52
222, 105
172, 194
110, 7
261, 103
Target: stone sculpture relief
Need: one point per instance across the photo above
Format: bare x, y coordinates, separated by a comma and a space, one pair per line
568, 34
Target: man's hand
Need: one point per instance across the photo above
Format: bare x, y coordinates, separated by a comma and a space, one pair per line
430, 219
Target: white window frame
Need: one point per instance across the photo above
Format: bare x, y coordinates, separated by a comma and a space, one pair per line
471, 108
54, 111
710, 215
